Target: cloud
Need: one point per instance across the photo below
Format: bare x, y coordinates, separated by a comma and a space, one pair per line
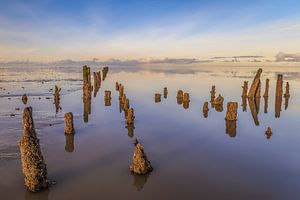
285, 57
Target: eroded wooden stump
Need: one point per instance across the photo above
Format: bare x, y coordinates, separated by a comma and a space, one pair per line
33, 164
140, 163
69, 125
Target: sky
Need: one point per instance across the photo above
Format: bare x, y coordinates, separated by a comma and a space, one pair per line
45, 30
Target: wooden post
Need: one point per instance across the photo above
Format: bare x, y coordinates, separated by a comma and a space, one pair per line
33, 164
69, 126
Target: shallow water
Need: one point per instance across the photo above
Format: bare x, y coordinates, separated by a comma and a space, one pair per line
192, 156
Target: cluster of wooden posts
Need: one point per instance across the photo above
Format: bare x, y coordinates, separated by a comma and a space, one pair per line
33, 164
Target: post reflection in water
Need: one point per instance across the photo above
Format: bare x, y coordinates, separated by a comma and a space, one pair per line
218, 108
69, 143
286, 102
186, 104
41, 195
130, 128
266, 98
231, 127
254, 109
139, 181
244, 104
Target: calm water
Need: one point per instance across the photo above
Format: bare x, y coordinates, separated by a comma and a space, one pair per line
193, 157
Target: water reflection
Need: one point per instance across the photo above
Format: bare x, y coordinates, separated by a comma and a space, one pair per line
266, 98
69, 147
97, 82
253, 105
205, 109
42, 195
231, 127
286, 102
139, 181
130, 128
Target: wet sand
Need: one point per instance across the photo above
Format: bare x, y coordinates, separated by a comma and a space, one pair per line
192, 156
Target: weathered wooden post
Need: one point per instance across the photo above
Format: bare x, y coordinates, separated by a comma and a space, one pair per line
107, 98
69, 126
140, 163
255, 84
179, 97
213, 93
278, 95
231, 113
57, 98
130, 116
33, 164
205, 109
157, 98
245, 89
269, 132
165, 92
24, 99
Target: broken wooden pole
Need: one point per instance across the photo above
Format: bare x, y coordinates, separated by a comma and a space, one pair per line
140, 163
245, 89
33, 164
69, 126
255, 84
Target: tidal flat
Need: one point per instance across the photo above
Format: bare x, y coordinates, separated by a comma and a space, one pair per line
193, 155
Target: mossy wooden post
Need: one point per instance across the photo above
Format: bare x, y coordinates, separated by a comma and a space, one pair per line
266, 94
33, 164
69, 126
255, 84
140, 163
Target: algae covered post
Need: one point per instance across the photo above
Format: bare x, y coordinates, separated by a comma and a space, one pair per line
33, 164
140, 163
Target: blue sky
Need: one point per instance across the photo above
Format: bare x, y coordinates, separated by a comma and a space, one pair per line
54, 30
